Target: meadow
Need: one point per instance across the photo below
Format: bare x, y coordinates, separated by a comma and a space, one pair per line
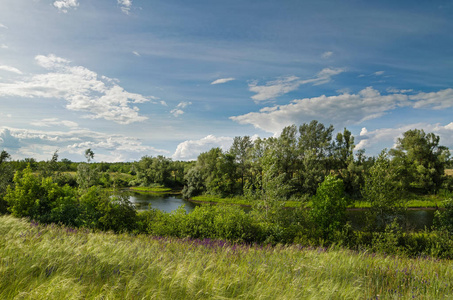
54, 262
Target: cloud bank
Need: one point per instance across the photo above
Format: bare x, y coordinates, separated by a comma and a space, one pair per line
41, 143
342, 109
84, 90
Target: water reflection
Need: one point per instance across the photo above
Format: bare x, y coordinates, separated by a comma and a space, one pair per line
166, 203
414, 219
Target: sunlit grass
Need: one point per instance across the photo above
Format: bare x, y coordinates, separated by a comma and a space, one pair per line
237, 201
157, 189
49, 262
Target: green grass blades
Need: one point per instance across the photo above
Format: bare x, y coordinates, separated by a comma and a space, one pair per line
52, 262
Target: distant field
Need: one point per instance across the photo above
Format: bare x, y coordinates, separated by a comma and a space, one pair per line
48, 262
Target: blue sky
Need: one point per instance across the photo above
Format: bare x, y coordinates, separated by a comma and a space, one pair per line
130, 78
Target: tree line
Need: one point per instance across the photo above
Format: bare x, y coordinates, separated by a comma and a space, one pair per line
292, 165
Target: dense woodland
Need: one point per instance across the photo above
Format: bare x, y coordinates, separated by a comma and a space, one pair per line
306, 164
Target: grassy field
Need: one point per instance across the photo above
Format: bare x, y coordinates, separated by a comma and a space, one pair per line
50, 262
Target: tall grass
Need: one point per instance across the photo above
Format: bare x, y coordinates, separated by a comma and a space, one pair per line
51, 262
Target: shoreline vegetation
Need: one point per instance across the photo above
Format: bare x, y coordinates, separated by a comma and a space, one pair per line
57, 262
433, 203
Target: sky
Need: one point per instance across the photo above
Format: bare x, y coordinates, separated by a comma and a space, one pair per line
129, 78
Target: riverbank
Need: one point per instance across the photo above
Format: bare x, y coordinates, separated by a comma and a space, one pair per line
429, 203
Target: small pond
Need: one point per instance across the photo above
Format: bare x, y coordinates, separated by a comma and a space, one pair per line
163, 202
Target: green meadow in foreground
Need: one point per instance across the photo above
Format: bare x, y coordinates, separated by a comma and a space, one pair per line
51, 262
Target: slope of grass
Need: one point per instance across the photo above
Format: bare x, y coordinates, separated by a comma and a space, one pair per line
50, 262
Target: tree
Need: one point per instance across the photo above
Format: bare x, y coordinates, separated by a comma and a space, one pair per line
6, 178
240, 150
423, 158
87, 175
328, 212
383, 191
315, 151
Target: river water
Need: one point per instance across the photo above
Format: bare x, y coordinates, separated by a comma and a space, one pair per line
416, 219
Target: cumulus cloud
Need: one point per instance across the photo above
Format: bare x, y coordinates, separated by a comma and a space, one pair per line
189, 150
40, 144
342, 109
388, 136
83, 90
327, 54
10, 69
64, 5
125, 6
222, 80
276, 88
178, 110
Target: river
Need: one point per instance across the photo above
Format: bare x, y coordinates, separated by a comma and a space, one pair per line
416, 219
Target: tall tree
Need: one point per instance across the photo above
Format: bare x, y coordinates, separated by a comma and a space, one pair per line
423, 159
240, 149
315, 150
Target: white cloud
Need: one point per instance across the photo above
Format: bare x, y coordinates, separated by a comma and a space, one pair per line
179, 108
136, 53
64, 5
378, 73
3, 46
54, 122
10, 69
82, 89
3, 26
327, 54
222, 80
125, 6
363, 132
393, 90
435, 100
40, 144
276, 88
189, 150
163, 103
342, 109
388, 136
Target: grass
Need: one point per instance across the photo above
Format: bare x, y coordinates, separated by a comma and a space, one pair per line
157, 189
236, 201
51, 262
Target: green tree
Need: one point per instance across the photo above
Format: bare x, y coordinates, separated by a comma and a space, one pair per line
328, 211
315, 151
383, 190
6, 178
87, 174
423, 159
240, 150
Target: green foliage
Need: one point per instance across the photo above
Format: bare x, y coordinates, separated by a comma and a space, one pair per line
383, 190
41, 199
87, 176
423, 159
6, 179
328, 211
443, 219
